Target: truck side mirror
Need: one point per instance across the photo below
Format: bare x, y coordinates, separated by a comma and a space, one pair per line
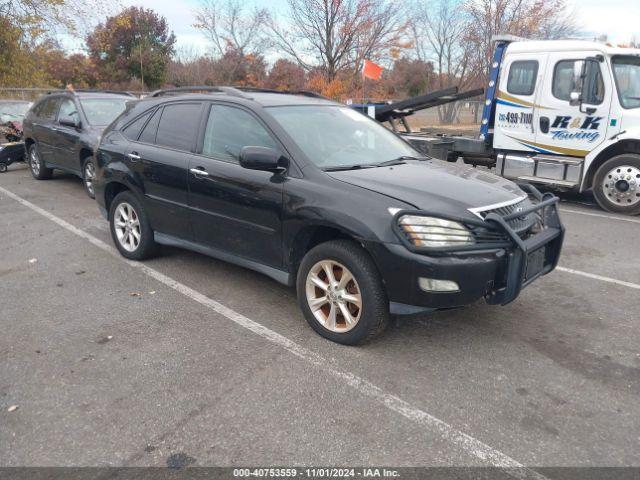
575, 99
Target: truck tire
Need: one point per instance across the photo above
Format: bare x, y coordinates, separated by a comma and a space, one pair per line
341, 294
616, 184
36, 165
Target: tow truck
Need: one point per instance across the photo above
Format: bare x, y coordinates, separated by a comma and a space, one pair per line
562, 114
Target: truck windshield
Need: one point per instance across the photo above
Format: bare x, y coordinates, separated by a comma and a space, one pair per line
339, 137
102, 111
626, 70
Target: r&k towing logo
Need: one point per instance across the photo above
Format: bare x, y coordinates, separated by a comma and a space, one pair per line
565, 127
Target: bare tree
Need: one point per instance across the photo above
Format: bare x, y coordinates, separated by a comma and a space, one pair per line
438, 31
231, 26
336, 35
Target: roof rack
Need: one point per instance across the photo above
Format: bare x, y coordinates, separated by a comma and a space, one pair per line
204, 88
233, 91
305, 93
88, 90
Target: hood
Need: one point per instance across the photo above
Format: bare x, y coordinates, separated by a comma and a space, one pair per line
434, 185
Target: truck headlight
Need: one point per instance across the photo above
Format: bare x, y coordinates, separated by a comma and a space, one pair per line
434, 232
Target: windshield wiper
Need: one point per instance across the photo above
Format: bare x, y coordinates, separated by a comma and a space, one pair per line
347, 167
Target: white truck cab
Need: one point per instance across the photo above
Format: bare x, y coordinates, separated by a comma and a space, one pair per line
566, 114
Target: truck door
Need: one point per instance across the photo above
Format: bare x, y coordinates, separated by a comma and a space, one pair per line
566, 125
519, 90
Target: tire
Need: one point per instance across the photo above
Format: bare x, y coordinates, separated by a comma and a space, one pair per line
616, 184
88, 175
371, 317
38, 170
3, 167
124, 236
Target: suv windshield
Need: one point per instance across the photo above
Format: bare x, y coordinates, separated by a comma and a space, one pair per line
339, 137
626, 70
13, 111
102, 111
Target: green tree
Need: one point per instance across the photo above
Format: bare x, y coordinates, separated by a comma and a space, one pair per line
136, 43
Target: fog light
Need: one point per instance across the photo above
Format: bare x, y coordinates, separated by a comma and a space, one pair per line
435, 285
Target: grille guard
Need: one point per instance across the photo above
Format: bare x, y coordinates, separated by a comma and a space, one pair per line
517, 249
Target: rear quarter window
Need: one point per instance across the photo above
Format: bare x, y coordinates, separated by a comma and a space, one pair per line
132, 131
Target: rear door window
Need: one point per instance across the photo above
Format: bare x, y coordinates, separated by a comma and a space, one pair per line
522, 77
229, 129
148, 135
132, 131
179, 125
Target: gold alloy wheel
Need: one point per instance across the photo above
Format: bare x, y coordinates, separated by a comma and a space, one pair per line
334, 296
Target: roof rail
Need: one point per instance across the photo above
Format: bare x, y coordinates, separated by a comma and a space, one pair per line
88, 90
305, 93
228, 90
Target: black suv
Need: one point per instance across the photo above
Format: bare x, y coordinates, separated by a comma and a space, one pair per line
317, 195
63, 128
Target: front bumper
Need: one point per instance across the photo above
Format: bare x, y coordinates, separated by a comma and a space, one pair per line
496, 273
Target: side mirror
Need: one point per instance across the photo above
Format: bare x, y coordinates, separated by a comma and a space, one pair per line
261, 158
69, 121
575, 99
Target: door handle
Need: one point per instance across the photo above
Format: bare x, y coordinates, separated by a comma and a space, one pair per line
544, 124
199, 172
133, 156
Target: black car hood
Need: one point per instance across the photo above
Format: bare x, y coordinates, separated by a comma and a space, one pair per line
434, 185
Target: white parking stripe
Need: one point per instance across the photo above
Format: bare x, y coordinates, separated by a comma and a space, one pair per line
466, 442
601, 215
599, 277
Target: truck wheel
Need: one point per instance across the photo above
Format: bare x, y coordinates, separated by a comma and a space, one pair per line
130, 228
36, 165
616, 184
341, 294
88, 175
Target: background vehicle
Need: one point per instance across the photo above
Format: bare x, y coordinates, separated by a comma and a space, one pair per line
11, 147
62, 131
319, 196
559, 113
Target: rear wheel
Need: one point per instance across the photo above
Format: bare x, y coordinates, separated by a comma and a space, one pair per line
38, 169
3, 167
341, 294
88, 175
616, 185
130, 228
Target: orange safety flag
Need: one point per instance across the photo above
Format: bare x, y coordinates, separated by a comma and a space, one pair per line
371, 70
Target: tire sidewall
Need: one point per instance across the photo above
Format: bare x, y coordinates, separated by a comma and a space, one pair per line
147, 245
84, 180
605, 168
374, 302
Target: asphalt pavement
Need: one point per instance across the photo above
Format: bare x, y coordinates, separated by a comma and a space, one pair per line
105, 362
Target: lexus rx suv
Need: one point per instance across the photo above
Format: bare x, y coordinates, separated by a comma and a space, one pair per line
63, 128
319, 196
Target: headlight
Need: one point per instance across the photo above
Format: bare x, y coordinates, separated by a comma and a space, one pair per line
434, 232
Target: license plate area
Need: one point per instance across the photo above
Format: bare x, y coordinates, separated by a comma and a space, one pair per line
535, 262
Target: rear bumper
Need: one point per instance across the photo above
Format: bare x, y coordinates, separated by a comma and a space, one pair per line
496, 274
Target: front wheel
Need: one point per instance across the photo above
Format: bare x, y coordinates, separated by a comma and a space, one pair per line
130, 228
38, 169
616, 185
88, 176
341, 294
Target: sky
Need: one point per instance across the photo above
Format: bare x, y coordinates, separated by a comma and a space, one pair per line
618, 19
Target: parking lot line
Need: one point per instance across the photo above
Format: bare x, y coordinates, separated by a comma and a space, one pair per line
599, 277
600, 215
467, 443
